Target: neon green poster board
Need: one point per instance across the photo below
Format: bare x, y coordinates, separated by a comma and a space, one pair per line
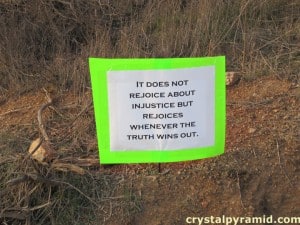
159, 110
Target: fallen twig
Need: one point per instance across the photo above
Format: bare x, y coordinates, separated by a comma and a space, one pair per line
15, 110
66, 167
41, 149
39, 117
84, 162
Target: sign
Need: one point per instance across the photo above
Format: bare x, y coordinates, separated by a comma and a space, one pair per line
159, 110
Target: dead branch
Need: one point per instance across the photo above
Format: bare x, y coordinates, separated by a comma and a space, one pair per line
67, 167
74, 165
82, 162
88, 162
40, 121
40, 149
15, 110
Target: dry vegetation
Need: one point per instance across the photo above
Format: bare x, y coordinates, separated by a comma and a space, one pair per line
50, 41
47, 44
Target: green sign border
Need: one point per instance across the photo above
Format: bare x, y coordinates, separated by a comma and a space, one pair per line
98, 70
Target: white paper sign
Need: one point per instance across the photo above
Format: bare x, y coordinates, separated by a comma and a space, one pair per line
161, 109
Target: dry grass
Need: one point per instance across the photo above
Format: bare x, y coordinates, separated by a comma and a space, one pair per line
47, 44
36, 195
32, 193
50, 41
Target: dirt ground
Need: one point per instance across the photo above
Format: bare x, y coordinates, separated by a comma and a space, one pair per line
259, 174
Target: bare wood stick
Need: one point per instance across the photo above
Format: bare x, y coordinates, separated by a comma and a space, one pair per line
68, 167
83, 162
40, 121
15, 110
